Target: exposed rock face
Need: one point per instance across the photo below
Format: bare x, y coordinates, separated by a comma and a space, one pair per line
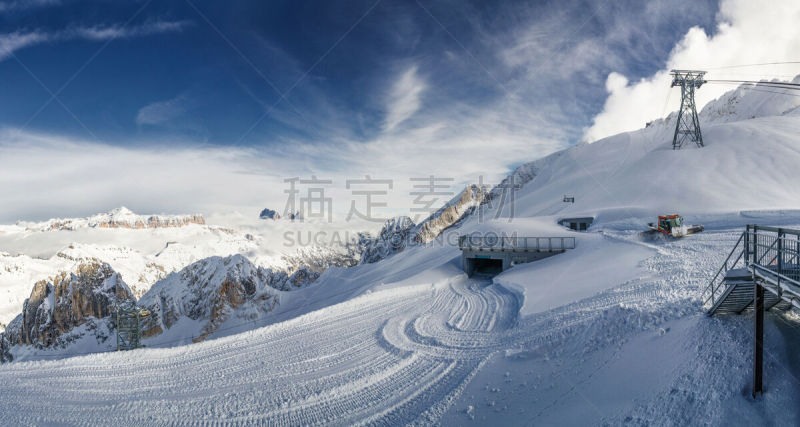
214, 289
395, 235
450, 214
300, 278
66, 301
154, 221
5, 347
400, 232
119, 218
322, 257
269, 214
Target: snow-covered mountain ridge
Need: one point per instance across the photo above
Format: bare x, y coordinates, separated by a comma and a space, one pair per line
116, 218
74, 309
201, 297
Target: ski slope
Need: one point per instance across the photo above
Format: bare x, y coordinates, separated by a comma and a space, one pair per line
454, 351
392, 355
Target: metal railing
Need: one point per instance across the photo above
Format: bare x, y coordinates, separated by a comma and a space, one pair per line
775, 260
771, 255
502, 243
715, 287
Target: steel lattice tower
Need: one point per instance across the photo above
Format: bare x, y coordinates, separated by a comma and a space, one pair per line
688, 126
128, 329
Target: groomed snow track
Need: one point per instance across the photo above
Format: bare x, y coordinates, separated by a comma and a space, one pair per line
394, 356
397, 356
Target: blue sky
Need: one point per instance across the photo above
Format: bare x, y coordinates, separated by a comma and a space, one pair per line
215, 72
260, 91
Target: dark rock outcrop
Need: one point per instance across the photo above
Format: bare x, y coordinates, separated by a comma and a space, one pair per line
395, 235
269, 214
274, 215
212, 290
450, 214
62, 303
400, 232
5, 349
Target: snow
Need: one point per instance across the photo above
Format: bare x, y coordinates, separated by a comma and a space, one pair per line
599, 262
611, 332
422, 350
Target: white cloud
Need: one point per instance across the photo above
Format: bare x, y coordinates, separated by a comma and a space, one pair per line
161, 111
7, 6
747, 33
99, 33
45, 176
12, 42
404, 99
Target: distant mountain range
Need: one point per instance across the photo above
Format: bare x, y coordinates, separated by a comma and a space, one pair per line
117, 218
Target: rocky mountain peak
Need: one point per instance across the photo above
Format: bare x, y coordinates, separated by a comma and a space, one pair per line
451, 213
66, 301
121, 217
269, 214
273, 214
214, 289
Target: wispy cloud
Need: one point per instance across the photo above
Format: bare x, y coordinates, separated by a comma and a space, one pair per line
99, 33
161, 111
14, 5
404, 98
12, 42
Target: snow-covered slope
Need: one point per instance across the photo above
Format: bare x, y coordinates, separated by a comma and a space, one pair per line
750, 102
746, 164
442, 350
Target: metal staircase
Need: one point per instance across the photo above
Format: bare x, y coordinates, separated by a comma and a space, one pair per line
764, 273
768, 256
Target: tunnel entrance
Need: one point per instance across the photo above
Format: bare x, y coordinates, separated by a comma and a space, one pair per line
488, 267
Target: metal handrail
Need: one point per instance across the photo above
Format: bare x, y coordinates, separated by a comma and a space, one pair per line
769, 248
773, 229
713, 288
783, 282
760, 243
772, 272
